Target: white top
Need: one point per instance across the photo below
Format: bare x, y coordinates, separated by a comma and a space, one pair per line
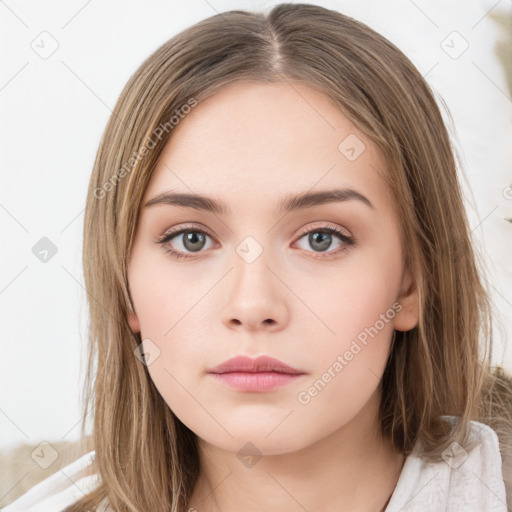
463, 481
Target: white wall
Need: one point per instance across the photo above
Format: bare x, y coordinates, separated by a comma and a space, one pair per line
54, 110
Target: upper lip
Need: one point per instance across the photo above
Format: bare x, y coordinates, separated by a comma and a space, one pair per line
260, 364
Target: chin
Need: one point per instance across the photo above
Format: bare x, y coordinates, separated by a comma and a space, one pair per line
255, 441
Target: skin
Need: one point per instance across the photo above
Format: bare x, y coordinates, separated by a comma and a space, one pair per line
250, 145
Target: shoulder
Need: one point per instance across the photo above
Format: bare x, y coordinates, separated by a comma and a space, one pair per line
466, 479
61, 489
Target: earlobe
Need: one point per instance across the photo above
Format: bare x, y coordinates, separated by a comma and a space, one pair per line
408, 316
133, 322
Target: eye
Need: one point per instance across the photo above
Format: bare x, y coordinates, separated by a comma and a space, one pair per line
191, 239
194, 240
321, 238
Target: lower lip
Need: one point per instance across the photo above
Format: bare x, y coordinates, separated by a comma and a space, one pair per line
259, 381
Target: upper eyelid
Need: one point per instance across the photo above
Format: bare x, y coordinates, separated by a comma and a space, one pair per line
323, 225
191, 227
185, 227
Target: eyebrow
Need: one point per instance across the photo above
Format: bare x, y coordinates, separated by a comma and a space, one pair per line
289, 203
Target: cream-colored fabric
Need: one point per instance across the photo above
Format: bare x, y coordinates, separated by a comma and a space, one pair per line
21, 469
60, 490
463, 481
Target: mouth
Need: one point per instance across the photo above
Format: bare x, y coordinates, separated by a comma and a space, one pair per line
262, 374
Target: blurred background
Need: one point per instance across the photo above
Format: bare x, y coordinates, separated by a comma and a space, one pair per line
63, 67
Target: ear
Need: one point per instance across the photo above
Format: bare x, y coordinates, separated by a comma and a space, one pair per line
133, 322
407, 318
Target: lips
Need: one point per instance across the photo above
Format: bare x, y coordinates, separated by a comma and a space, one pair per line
261, 375
260, 364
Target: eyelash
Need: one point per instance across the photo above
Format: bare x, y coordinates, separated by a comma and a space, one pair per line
348, 240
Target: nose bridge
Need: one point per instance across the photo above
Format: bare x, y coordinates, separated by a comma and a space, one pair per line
256, 249
252, 260
260, 248
251, 249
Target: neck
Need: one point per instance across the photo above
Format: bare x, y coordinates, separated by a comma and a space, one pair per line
352, 469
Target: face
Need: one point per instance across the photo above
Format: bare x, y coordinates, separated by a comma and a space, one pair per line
319, 286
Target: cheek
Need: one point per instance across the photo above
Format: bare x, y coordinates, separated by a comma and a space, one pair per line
163, 293
355, 299
349, 363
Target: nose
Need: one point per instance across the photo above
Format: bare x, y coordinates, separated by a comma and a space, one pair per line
255, 297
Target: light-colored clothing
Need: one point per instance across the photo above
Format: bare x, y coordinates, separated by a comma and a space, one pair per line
59, 490
463, 481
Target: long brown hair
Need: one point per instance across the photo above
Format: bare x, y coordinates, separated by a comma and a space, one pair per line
146, 458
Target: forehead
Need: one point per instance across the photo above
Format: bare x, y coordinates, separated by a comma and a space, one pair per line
263, 141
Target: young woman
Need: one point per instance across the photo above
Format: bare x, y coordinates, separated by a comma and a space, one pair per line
286, 311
